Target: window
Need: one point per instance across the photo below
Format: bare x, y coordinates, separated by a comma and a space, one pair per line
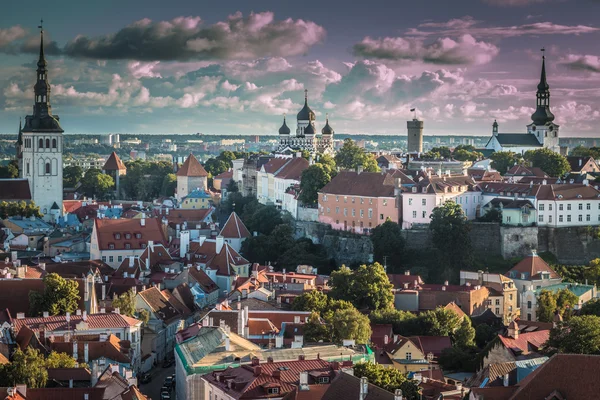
528, 317
580, 218
541, 207
353, 212
423, 202
385, 202
370, 213
345, 212
117, 236
345, 199
323, 379
497, 311
324, 197
529, 304
550, 218
568, 218
497, 302
362, 201
568, 207
27, 168
510, 297
508, 219
128, 236
381, 217
588, 206
138, 235
337, 198
414, 214
424, 214
111, 246
362, 213
541, 218
111, 258
560, 218
353, 200
560, 207
410, 202
128, 246
47, 143
408, 356
581, 206
274, 390
328, 210
103, 258
47, 168
509, 308
53, 143
41, 144
120, 258
549, 207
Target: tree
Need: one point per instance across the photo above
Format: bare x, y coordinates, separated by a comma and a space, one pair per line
352, 325
144, 316
264, 219
27, 367
484, 334
592, 307
23, 209
443, 151
314, 178
581, 151
465, 155
96, 184
232, 187
388, 243
9, 171
328, 164
315, 330
350, 156
388, 379
579, 335
60, 296
125, 303
60, 360
547, 306
552, 163
372, 288
491, 215
458, 359
502, 161
450, 235
144, 179
464, 336
566, 302
169, 185
315, 301
592, 272
341, 282
439, 322
72, 175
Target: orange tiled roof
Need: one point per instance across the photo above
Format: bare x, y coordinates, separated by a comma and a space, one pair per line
234, 228
114, 163
192, 167
115, 232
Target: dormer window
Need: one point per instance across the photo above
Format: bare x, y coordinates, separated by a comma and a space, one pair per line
273, 390
128, 236
117, 236
111, 246
323, 379
138, 235
128, 246
143, 245
414, 189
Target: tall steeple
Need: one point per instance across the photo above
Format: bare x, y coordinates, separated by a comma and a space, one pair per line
542, 114
20, 141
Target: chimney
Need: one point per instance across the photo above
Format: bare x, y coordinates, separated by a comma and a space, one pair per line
227, 344
131, 261
116, 310
276, 374
278, 341
513, 330
103, 310
445, 283
303, 380
257, 370
201, 239
143, 221
407, 272
78, 312
219, 244
84, 316
398, 394
103, 292
364, 388
184, 243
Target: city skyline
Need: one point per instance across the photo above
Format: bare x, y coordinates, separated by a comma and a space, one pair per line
188, 70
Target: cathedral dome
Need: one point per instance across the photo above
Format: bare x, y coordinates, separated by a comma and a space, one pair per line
327, 130
542, 116
284, 130
309, 130
306, 114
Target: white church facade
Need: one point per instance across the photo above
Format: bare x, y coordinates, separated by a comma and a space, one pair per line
542, 132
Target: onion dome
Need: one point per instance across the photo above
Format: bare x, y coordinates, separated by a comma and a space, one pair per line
309, 130
306, 114
495, 124
284, 130
327, 130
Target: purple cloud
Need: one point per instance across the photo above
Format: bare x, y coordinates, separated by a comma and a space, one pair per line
585, 62
184, 38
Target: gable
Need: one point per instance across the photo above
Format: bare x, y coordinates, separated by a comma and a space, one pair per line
409, 347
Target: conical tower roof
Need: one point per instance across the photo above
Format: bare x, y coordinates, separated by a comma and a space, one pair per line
114, 163
192, 167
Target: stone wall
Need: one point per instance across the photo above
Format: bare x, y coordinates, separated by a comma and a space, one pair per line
518, 241
485, 237
308, 214
349, 250
576, 245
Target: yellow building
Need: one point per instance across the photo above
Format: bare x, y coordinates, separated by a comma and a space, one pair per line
414, 354
197, 199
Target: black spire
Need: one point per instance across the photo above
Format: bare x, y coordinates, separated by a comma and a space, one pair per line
542, 114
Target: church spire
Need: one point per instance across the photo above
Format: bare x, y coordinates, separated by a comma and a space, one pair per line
542, 114
42, 59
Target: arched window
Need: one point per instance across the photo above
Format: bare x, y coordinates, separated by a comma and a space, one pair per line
47, 143
53, 143
47, 168
41, 145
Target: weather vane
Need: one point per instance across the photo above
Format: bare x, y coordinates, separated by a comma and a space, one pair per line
543, 50
41, 25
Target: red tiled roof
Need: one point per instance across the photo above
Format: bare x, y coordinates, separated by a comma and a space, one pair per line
347, 387
431, 344
114, 163
261, 326
206, 253
234, 228
453, 307
207, 284
398, 280
520, 170
224, 175
113, 348
275, 165
70, 206
279, 317
94, 393
525, 342
378, 334
65, 374
192, 167
293, 169
59, 322
533, 266
181, 215
160, 305
108, 229
369, 184
182, 308
14, 189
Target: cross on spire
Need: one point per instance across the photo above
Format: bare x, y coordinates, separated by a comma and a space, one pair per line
41, 25
305, 95
543, 50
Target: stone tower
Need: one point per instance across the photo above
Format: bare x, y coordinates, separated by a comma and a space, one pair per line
415, 136
42, 149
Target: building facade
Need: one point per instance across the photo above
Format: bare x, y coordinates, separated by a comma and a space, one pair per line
415, 136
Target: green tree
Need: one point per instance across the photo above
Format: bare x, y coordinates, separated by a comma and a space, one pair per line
388, 379
465, 155
502, 161
9, 171
592, 272
350, 156
491, 215
566, 302
125, 303
372, 288
27, 367
328, 163
144, 316
96, 184
341, 283
60, 296
264, 219
547, 306
315, 330
23, 209
144, 179
439, 322
484, 334
315, 301
72, 175
169, 185
388, 243
450, 235
314, 178
464, 336
232, 187
443, 151
581, 151
592, 307
352, 325
579, 335
458, 359
60, 360
552, 163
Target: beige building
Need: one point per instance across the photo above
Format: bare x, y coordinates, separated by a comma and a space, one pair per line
503, 294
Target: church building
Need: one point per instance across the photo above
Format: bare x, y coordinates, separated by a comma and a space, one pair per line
541, 132
40, 147
306, 138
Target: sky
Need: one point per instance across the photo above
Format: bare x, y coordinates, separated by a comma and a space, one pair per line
239, 66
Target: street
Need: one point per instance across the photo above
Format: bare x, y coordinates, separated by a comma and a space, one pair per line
152, 389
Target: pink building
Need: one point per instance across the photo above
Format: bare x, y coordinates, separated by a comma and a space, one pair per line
358, 201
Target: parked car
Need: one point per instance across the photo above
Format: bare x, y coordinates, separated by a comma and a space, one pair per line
165, 396
145, 378
173, 378
165, 389
169, 382
168, 363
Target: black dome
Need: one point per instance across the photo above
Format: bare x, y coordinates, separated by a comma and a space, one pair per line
542, 115
327, 130
309, 130
284, 130
306, 114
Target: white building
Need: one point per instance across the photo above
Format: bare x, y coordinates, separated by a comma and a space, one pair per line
40, 147
542, 132
277, 176
432, 191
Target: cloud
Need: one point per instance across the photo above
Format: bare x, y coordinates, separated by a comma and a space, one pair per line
514, 3
468, 25
16, 40
9, 35
585, 62
143, 69
185, 38
463, 51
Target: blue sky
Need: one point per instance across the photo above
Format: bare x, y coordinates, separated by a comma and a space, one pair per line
238, 66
